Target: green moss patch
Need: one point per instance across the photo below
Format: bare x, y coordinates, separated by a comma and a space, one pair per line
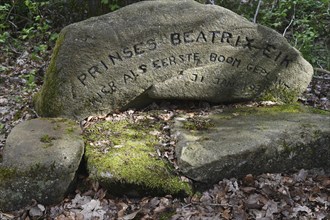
123, 152
6, 173
287, 108
46, 101
280, 94
47, 139
198, 123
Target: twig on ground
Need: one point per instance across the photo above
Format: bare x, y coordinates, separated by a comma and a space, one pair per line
322, 70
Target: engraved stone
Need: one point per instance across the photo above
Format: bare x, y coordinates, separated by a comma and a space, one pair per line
168, 50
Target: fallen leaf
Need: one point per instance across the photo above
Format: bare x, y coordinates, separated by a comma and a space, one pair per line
129, 216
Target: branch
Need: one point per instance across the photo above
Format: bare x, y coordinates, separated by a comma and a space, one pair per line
322, 71
257, 11
12, 23
292, 19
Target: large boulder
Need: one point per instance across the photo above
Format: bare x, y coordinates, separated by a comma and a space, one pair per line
40, 160
252, 141
168, 50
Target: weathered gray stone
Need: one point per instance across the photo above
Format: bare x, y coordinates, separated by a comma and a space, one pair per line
253, 141
40, 159
168, 50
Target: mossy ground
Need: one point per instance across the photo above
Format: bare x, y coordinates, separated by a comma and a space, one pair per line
6, 173
124, 152
198, 123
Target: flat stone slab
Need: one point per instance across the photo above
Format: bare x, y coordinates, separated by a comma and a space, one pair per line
121, 155
252, 141
40, 160
168, 50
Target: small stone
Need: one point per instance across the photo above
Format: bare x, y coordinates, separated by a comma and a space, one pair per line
40, 159
41, 207
36, 211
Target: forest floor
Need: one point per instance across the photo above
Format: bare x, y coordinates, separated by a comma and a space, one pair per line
304, 194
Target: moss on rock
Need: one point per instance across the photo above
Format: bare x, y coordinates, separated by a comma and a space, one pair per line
124, 152
275, 109
6, 173
40, 161
198, 123
45, 101
280, 94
